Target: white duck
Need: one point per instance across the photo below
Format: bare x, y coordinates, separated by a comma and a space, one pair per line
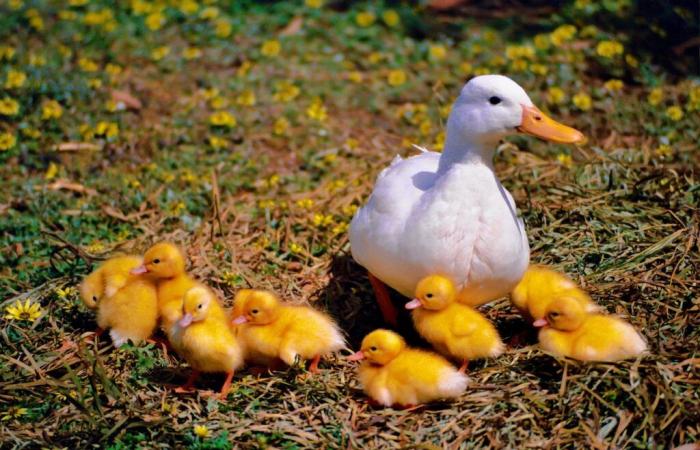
447, 213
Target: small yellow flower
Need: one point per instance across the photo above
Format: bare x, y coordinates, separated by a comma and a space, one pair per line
614, 85
655, 96
31, 132
13, 412
541, 41
222, 119
355, 76
218, 103
317, 110
266, 204
565, 160
555, 95
51, 171
15, 79
341, 228
222, 28
519, 65
7, 141
155, 21
316, 4
663, 150
437, 52
396, 77
209, 13
188, 7
159, 53
201, 431
375, 57
539, 69
37, 60
271, 48
582, 101
365, 18
15, 4
351, 143
95, 83
6, 53
562, 34
177, 207
631, 61
391, 18
8, 106
88, 65
64, 293
280, 126
285, 92
23, 311
246, 98
51, 110
321, 220
217, 143
295, 248
674, 113
349, 210
609, 49
305, 203
113, 69
244, 68
107, 129
520, 52
190, 53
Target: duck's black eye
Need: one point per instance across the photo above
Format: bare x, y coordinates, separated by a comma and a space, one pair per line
199, 306
156, 261
374, 349
255, 311
429, 295
94, 297
495, 100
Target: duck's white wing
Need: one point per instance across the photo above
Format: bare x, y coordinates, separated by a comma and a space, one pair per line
377, 227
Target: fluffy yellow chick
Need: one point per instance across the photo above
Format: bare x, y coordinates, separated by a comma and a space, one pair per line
393, 374
205, 340
126, 304
165, 263
270, 330
540, 285
454, 329
569, 330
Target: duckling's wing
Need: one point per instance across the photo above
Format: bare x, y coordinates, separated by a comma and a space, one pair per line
462, 327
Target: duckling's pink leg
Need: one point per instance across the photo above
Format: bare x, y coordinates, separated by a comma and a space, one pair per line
384, 300
189, 384
313, 367
463, 367
226, 387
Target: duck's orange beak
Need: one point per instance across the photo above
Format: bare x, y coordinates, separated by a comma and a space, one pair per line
357, 356
139, 270
186, 321
413, 304
539, 323
537, 123
240, 320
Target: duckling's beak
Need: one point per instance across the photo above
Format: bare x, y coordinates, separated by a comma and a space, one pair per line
413, 304
357, 356
539, 323
139, 270
186, 321
240, 320
536, 123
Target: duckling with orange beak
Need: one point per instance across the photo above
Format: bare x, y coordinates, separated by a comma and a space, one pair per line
569, 330
454, 329
394, 374
205, 340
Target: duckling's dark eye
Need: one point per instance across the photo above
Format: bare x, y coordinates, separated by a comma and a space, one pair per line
94, 297
495, 100
373, 349
199, 306
553, 314
255, 311
429, 295
156, 261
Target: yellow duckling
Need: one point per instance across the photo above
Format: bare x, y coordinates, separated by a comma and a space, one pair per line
394, 374
453, 328
540, 285
205, 340
126, 304
270, 330
569, 330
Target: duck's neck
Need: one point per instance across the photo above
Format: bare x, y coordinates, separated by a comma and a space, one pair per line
461, 151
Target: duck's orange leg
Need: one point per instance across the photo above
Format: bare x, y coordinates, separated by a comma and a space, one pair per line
226, 386
463, 367
189, 384
384, 300
313, 367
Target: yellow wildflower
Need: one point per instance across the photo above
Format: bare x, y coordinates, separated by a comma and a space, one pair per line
396, 77
663, 150
321, 220
8, 106
201, 431
222, 119
285, 91
295, 248
609, 49
349, 210
375, 57
519, 65
67, 292
218, 103
191, 53
305, 203
107, 129
655, 96
582, 101
35, 19
15, 79
391, 18
7, 141
355, 76
77, 2
31, 132
520, 52
23, 311
674, 113
365, 18
271, 48
13, 412
188, 7
217, 143
541, 41
209, 13
113, 69
210, 93
51, 171
316, 110
555, 95
280, 126
159, 53
437, 52
246, 98
614, 85
6, 53
562, 34
51, 110
466, 68
88, 65
15, 4
155, 21
539, 69
341, 228
351, 143
316, 4
631, 61
694, 98
95, 83
37, 60
244, 68
565, 160
222, 28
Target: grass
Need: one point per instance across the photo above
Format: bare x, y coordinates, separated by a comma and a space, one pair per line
266, 203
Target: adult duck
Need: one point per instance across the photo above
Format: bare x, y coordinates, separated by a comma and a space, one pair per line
447, 213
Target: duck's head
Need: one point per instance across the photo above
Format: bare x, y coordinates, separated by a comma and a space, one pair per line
491, 107
433, 292
163, 260
195, 305
379, 347
255, 307
563, 313
92, 289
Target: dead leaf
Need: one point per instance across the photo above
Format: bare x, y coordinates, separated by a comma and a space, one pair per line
126, 98
70, 186
115, 213
77, 146
293, 27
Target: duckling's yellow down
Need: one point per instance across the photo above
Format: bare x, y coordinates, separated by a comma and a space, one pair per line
393, 374
540, 286
270, 330
453, 328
